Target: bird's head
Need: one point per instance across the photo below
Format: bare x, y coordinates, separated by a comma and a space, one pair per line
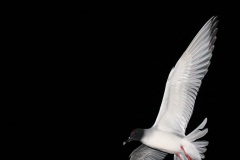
136, 135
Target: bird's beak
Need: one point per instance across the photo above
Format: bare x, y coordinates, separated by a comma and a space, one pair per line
125, 142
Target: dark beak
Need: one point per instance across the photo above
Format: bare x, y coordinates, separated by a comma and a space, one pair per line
128, 140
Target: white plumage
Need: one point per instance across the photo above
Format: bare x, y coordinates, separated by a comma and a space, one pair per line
168, 132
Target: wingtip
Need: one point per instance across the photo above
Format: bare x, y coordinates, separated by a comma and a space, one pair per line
205, 119
215, 17
215, 21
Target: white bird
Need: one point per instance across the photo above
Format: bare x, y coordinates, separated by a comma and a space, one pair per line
167, 135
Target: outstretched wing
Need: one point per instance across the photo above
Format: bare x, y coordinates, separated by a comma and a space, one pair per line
185, 79
144, 152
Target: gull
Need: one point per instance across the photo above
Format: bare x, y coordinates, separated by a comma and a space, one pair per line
167, 135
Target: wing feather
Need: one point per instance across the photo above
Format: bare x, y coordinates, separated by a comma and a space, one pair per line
144, 152
185, 79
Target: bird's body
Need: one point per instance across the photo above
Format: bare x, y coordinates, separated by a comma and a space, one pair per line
170, 142
168, 132
165, 141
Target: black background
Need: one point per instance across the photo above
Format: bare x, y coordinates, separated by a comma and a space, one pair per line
81, 76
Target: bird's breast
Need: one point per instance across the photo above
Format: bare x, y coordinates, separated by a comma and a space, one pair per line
164, 141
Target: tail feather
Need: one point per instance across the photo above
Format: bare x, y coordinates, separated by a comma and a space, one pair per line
202, 150
201, 144
192, 135
196, 134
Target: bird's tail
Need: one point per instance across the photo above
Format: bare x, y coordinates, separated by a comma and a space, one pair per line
196, 134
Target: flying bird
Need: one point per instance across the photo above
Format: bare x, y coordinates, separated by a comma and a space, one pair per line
167, 135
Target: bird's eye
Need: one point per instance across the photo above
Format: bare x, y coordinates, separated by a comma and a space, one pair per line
132, 133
